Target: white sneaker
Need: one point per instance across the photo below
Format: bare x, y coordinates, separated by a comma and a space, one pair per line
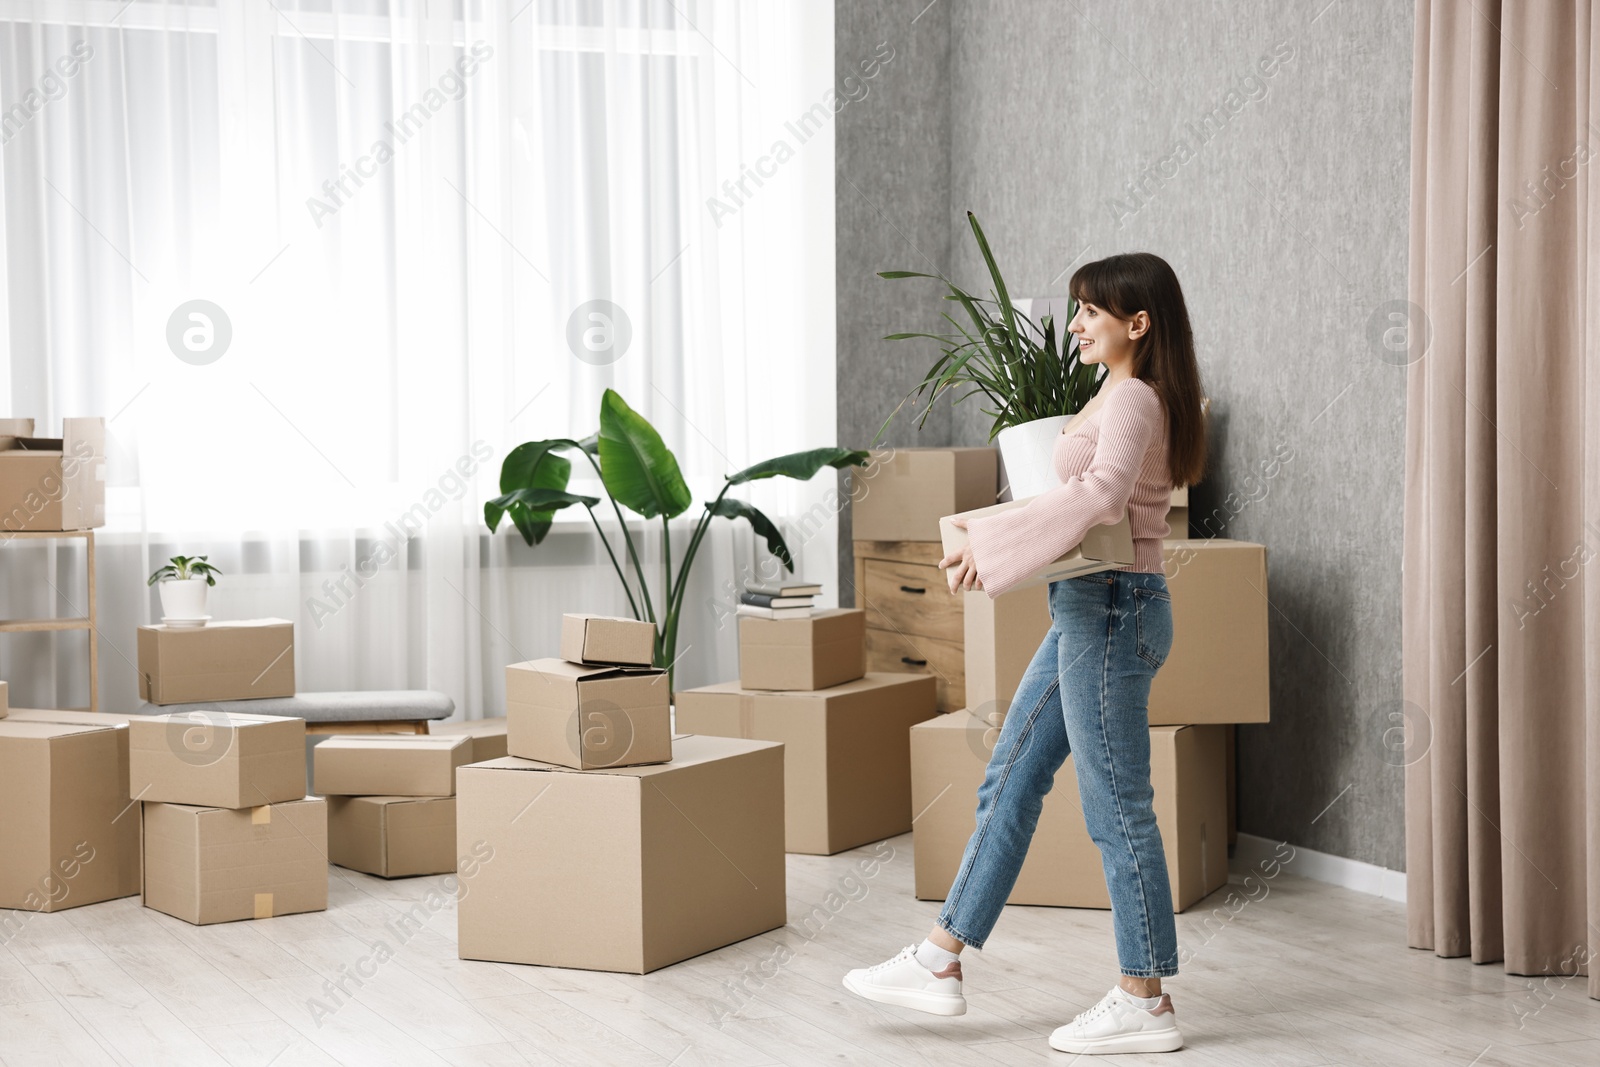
1117, 1024
905, 983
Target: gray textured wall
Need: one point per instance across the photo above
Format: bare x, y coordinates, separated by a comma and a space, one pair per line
1076, 131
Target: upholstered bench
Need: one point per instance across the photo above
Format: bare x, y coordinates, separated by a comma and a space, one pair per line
386, 711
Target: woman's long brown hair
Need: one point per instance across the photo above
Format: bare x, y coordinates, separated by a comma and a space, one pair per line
1163, 356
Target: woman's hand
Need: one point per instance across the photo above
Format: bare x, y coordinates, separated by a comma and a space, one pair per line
963, 571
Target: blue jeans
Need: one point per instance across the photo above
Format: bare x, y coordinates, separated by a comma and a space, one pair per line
1085, 693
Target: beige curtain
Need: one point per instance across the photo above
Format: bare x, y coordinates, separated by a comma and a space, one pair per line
1501, 582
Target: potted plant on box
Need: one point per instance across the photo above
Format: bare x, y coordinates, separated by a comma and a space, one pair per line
1028, 370
640, 473
182, 584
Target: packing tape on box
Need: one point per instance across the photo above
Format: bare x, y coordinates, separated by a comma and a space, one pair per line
261, 816
747, 714
263, 906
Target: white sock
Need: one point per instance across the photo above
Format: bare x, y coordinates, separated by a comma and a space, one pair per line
1144, 1002
935, 958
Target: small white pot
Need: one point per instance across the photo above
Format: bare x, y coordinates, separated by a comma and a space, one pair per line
1027, 456
183, 599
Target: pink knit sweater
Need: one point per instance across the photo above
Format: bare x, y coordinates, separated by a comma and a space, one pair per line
1115, 459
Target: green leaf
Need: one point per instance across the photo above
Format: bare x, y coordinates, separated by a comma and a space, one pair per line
638, 469
731, 508
801, 465
532, 502
517, 471
533, 465
906, 274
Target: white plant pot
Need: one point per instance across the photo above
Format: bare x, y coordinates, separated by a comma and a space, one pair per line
1027, 457
183, 599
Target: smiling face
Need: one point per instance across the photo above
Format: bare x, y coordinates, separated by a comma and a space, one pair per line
1104, 338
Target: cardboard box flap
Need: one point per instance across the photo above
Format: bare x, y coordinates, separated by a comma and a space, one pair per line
871, 680
82, 718
213, 717
577, 672
19, 728
396, 742
696, 749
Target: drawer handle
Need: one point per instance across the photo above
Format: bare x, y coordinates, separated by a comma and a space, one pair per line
909, 589
914, 662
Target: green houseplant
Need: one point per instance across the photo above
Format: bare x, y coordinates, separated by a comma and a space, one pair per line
640, 473
182, 583
1029, 371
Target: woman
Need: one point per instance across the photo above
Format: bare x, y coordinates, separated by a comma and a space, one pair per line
1086, 689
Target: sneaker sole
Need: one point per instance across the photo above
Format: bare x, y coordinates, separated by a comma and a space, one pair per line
932, 1003
1157, 1041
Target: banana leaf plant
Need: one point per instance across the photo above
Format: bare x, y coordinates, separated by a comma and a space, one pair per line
1028, 370
641, 474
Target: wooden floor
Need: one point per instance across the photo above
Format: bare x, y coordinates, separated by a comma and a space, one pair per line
1308, 974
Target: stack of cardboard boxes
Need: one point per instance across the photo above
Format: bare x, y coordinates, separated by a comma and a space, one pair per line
844, 730
602, 841
227, 829
1214, 676
391, 801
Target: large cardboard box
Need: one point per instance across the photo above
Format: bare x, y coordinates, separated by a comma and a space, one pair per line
1102, 546
826, 648
608, 639
216, 865
902, 492
53, 483
1064, 866
1216, 672
69, 835
626, 868
488, 736
1002, 634
393, 837
242, 660
846, 751
1218, 669
587, 716
402, 765
217, 759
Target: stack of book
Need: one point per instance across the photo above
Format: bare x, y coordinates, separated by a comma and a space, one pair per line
778, 600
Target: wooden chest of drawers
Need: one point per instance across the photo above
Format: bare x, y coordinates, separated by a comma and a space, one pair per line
914, 623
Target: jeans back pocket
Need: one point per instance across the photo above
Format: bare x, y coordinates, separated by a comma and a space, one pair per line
1152, 617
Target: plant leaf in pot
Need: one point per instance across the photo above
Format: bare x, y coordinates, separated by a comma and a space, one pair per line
183, 583
1029, 371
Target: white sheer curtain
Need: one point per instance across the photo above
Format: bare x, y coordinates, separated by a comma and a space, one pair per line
434, 231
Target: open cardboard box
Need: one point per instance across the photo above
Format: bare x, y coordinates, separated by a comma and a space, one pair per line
53, 483
1103, 547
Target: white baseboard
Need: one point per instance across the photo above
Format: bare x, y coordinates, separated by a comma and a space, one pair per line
1251, 850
